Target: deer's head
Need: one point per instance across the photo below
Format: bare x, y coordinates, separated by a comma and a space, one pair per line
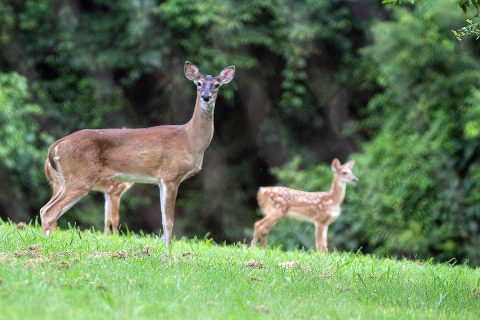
344, 171
207, 86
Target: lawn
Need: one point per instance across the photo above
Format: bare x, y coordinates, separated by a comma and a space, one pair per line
84, 275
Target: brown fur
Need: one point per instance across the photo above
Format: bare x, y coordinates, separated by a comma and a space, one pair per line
113, 190
319, 208
164, 155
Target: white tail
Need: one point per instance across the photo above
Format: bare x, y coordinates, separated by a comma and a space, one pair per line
163, 155
319, 208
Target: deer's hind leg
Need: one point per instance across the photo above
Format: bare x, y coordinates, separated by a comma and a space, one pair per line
74, 182
51, 213
263, 226
112, 206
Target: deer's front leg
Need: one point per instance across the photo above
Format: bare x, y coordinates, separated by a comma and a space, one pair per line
321, 230
168, 196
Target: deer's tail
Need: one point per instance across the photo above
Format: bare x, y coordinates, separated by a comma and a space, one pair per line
51, 170
261, 198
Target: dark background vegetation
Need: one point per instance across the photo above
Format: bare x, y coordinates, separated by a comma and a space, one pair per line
389, 87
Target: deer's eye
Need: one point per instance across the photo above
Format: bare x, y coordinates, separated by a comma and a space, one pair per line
217, 85
344, 173
198, 83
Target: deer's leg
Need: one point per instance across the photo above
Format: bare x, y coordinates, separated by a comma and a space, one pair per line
321, 237
112, 214
55, 209
74, 182
108, 213
112, 206
116, 212
168, 196
262, 228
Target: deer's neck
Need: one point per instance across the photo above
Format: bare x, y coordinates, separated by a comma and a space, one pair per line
200, 127
337, 190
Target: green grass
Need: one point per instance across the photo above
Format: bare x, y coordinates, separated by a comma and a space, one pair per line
84, 275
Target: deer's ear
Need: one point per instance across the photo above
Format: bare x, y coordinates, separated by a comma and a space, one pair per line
335, 164
350, 164
227, 74
191, 71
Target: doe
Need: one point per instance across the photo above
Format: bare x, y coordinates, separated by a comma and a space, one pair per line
319, 208
163, 155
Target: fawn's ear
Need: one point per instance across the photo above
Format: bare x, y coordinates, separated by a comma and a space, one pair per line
350, 164
226, 75
191, 71
335, 164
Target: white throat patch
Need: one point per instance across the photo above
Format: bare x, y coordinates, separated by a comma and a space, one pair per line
207, 107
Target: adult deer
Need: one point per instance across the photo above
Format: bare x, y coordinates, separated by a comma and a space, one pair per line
112, 189
319, 208
163, 155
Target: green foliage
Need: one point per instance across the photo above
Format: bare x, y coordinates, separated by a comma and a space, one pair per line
471, 29
469, 4
397, 2
84, 275
418, 173
21, 158
473, 25
415, 192
18, 132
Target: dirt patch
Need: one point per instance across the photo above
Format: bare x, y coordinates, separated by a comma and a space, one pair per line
122, 254
145, 252
101, 287
255, 264
188, 254
261, 308
100, 254
342, 289
475, 293
33, 252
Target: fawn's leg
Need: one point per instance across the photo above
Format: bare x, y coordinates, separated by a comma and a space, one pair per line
321, 230
262, 228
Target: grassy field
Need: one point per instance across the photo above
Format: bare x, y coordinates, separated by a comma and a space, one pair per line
83, 275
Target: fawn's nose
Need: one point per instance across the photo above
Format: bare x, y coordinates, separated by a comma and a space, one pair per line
355, 180
206, 98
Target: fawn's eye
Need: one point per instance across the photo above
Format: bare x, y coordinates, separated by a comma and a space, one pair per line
344, 173
217, 85
198, 83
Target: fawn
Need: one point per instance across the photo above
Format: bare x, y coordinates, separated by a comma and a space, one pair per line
319, 208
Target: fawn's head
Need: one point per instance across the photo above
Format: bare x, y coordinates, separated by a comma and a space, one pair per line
344, 171
207, 86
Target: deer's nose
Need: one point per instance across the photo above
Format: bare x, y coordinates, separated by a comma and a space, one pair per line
206, 98
355, 180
